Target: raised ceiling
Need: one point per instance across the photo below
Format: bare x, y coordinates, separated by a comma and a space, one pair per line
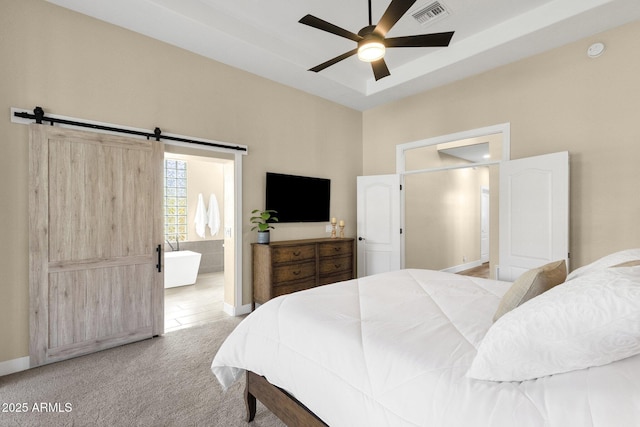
265, 38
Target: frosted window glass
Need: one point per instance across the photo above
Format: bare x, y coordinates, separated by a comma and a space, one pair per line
175, 190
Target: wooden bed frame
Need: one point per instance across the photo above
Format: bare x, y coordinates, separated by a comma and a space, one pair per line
282, 404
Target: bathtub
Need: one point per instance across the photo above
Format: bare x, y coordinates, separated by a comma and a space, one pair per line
181, 268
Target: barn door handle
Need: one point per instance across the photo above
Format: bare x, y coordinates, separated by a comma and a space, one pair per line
159, 264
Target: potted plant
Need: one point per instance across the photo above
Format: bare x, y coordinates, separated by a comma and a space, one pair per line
262, 220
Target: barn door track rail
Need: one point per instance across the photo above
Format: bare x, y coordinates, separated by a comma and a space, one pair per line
39, 117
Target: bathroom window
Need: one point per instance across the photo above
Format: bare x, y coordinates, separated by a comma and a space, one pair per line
175, 200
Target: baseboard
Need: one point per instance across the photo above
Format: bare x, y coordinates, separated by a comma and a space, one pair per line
237, 311
13, 366
462, 267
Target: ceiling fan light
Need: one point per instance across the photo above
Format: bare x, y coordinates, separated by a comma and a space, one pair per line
371, 51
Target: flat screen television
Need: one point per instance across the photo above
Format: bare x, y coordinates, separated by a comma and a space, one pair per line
298, 198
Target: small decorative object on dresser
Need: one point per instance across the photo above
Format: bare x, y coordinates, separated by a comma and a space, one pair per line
262, 223
333, 227
288, 266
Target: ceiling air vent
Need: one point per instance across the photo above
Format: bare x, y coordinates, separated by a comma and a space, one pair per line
430, 13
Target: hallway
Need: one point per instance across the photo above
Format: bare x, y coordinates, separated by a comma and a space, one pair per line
479, 271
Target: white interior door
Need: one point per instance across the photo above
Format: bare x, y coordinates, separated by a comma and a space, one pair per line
534, 213
378, 217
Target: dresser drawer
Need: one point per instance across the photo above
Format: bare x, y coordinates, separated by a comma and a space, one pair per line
336, 265
329, 249
292, 287
294, 272
293, 253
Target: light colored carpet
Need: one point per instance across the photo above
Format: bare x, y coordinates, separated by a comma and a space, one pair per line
164, 381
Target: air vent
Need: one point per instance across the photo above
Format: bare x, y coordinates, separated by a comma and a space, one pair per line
430, 13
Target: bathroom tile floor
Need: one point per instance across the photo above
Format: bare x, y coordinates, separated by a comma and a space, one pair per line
193, 305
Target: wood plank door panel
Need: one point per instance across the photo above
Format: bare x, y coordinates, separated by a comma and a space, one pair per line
95, 223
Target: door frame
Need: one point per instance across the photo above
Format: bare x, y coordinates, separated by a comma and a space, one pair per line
504, 129
236, 308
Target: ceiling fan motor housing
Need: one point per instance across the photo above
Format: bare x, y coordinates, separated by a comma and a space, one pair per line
371, 47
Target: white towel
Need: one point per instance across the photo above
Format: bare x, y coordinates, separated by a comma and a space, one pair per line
213, 215
200, 220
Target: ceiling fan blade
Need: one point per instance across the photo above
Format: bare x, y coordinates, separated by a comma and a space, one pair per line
323, 25
424, 40
394, 12
380, 69
333, 61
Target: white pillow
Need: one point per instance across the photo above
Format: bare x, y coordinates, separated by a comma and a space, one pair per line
605, 262
589, 321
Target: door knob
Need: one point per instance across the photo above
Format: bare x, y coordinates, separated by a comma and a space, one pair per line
361, 238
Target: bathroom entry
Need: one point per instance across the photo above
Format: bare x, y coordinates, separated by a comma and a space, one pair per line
198, 187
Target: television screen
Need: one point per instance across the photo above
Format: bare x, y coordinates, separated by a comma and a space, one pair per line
298, 198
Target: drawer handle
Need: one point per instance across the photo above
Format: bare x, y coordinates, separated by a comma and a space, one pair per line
297, 253
337, 265
337, 248
295, 273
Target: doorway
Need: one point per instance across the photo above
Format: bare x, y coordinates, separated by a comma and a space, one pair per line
198, 222
447, 182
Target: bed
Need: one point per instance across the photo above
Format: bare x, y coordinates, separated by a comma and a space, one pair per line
422, 348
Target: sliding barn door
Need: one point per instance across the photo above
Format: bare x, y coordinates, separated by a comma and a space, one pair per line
95, 223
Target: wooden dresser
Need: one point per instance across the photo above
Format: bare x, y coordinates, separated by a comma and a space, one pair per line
293, 265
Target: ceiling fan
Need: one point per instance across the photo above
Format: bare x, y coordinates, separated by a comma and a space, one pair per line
372, 40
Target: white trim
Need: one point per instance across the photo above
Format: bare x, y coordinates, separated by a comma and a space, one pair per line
452, 167
14, 365
462, 267
238, 310
238, 283
503, 128
485, 189
20, 120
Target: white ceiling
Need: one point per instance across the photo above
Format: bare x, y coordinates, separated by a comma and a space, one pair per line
265, 38
475, 153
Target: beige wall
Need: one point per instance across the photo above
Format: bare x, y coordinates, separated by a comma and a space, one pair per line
556, 101
204, 176
76, 66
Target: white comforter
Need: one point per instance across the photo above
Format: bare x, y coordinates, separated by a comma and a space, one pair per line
393, 350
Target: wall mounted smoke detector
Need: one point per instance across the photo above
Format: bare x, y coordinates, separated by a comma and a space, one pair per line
595, 50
